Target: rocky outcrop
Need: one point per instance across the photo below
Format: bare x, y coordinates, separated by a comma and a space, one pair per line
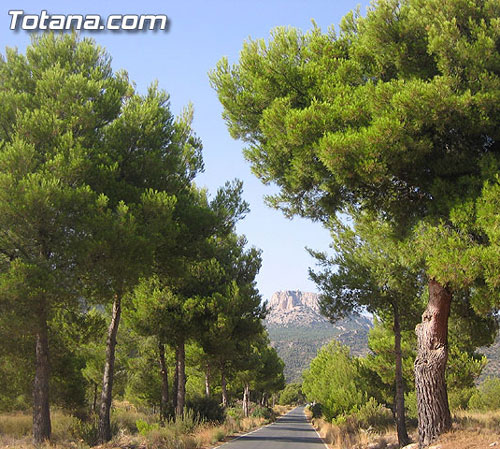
297, 330
293, 307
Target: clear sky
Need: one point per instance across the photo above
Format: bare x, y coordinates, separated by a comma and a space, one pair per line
202, 32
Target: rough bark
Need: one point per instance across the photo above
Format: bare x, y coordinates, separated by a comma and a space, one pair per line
41, 408
246, 400
181, 380
432, 354
164, 383
223, 385
207, 381
403, 438
104, 430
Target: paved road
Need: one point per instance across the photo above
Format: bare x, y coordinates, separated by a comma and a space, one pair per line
291, 431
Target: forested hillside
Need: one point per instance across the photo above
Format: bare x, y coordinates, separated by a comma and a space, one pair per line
297, 330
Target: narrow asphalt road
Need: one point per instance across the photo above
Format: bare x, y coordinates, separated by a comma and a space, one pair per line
291, 431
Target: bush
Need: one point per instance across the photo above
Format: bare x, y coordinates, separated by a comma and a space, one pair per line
334, 379
373, 414
207, 409
186, 423
487, 395
235, 412
411, 405
459, 399
261, 412
218, 435
144, 428
316, 410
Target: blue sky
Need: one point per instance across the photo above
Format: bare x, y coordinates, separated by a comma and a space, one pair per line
201, 33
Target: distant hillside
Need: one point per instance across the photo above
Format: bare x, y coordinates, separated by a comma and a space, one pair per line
493, 355
297, 330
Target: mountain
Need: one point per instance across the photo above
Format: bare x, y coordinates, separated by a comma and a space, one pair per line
297, 330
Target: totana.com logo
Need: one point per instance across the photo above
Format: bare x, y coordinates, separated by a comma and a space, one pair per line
89, 22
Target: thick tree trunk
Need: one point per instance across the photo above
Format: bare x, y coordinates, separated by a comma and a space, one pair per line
164, 383
246, 400
223, 385
432, 354
104, 431
207, 381
181, 380
403, 438
41, 410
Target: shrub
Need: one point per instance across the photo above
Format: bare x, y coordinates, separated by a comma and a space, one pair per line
144, 428
487, 395
187, 422
235, 413
316, 410
411, 405
261, 412
373, 414
218, 435
334, 379
207, 409
459, 398
125, 419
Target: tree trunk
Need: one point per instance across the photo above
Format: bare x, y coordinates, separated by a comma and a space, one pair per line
176, 380
181, 380
223, 385
207, 381
94, 402
104, 431
432, 354
246, 400
403, 438
164, 383
41, 410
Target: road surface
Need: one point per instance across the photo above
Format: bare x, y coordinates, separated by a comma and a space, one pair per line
291, 431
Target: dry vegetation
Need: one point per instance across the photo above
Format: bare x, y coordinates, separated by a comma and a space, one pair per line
69, 432
471, 430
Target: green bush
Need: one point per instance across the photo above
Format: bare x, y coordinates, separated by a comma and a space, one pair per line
87, 431
261, 412
207, 409
411, 405
235, 413
144, 428
373, 414
459, 399
487, 395
334, 379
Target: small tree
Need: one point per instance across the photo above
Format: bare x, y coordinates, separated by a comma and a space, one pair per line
334, 380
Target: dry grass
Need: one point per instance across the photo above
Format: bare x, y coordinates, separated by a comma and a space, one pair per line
15, 432
469, 439
349, 436
280, 410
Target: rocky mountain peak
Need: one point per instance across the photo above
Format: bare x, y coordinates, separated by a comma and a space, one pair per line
294, 307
